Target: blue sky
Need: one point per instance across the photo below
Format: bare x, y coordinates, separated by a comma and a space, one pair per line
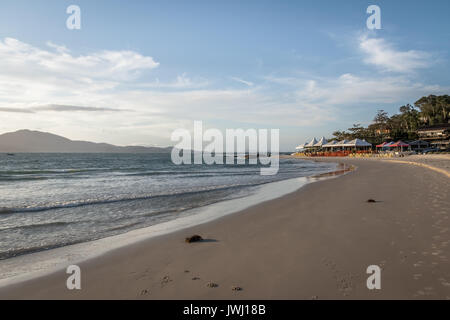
137, 70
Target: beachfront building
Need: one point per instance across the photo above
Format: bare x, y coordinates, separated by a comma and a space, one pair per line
419, 145
437, 136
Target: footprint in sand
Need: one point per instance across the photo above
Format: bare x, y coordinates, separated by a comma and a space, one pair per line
144, 292
418, 264
165, 281
138, 276
417, 276
436, 253
427, 291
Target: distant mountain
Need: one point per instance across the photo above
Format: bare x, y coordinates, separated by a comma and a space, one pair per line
36, 141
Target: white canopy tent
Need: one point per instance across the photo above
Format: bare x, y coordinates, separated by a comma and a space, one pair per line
341, 143
330, 144
300, 147
321, 142
357, 143
311, 143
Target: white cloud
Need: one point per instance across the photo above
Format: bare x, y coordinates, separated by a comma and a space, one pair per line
248, 83
182, 82
58, 48
118, 65
37, 84
382, 54
350, 90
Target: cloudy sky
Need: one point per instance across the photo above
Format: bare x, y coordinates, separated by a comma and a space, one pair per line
138, 70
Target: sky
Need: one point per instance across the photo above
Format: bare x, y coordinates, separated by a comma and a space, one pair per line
138, 70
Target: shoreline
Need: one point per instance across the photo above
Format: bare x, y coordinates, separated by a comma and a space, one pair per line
314, 243
439, 163
54, 260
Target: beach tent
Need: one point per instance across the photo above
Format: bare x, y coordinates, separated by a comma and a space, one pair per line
311, 143
330, 144
381, 145
399, 144
300, 147
358, 144
321, 142
364, 143
341, 143
388, 145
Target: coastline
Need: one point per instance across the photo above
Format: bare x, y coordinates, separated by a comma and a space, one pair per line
35, 265
314, 243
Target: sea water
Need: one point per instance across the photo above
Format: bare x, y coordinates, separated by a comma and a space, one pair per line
51, 201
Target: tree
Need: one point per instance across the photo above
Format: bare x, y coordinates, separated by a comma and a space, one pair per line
409, 121
434, 109
380, 128
340, 135
357, 132
425, 111
381, 118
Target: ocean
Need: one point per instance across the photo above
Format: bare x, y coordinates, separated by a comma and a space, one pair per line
54, 200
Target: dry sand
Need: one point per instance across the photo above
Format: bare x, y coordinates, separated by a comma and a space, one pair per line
315, 243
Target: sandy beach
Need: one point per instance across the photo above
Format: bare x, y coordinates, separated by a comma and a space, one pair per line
315, 243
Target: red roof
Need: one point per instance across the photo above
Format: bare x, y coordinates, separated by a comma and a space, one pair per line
381, 145
399, 143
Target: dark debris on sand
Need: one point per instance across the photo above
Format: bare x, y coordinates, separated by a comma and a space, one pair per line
194, 238
212, 285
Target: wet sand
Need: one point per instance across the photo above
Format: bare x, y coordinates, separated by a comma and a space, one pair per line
315, 243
